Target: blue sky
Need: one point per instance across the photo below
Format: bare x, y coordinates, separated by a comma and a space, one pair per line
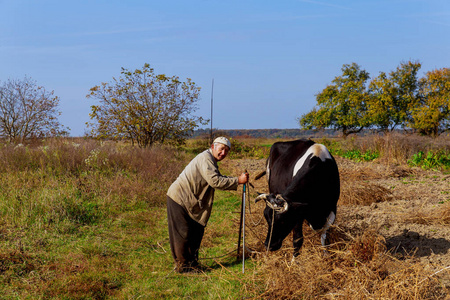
268, 59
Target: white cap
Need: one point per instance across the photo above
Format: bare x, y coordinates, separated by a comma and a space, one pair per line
223, 140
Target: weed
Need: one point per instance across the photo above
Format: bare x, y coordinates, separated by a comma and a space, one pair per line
358, 156
354, 153
431, 160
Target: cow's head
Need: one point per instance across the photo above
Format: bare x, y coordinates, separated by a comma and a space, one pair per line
281, 217
275, 202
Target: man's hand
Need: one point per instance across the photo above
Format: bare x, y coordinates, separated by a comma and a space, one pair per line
243, 178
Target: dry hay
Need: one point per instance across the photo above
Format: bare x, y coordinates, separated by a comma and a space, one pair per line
439, 215
360, 268
359, 264
363, 193
444, 214
419, 217
350, 170
357, 186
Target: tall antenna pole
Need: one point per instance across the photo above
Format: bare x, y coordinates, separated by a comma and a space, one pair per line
212, 91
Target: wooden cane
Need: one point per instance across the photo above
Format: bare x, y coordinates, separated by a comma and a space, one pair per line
242, 229
240, 223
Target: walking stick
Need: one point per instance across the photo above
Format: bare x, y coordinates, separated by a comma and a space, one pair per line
242, 229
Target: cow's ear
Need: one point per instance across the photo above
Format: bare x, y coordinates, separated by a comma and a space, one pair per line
297, 204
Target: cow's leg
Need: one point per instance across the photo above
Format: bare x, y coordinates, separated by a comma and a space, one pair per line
323, 232
323, 237
298, 237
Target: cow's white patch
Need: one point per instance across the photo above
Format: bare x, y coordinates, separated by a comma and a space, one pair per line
328, 223
317, 150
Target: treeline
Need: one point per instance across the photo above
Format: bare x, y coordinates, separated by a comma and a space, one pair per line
147, 108
265, 133
390, 101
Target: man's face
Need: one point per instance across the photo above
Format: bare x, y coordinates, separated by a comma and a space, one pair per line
219, 151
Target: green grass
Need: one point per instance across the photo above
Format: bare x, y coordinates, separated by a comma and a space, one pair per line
224, 278
127, 256
90, 223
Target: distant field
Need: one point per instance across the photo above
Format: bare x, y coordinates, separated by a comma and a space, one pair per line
82, 219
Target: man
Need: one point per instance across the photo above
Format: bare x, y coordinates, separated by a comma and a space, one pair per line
190, 199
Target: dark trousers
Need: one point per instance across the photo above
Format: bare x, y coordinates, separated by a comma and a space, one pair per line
185, 236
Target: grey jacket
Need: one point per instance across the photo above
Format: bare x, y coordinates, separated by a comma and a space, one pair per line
194, 187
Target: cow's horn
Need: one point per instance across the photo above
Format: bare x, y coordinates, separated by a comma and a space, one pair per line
261, 197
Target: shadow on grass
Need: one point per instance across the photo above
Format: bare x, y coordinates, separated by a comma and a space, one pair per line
232, 263
228, 264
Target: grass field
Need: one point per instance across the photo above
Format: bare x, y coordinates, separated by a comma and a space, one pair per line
82, 219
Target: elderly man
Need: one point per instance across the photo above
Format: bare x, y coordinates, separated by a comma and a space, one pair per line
190, 199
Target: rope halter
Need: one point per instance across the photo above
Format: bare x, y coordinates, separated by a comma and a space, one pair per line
276, 208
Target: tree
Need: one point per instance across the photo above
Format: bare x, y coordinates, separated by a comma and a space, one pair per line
431, 115
392, 97
145, 108
341, 105
28, 111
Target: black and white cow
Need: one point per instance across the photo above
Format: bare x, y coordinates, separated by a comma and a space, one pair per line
304, 185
